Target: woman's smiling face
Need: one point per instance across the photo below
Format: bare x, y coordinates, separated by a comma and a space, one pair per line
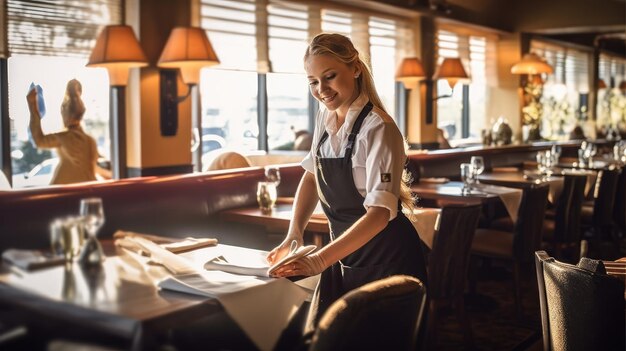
332, 82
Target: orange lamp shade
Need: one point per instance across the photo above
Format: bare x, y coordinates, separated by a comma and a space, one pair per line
410, 71
188, 49
531, 63
452, 70
117, 49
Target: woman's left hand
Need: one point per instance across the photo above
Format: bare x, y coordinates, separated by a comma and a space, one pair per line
308, 265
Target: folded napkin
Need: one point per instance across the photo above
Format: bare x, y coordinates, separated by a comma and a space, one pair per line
31, 259
174, 263
175, 245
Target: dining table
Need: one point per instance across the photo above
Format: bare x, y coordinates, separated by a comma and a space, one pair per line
520, 178
121, 304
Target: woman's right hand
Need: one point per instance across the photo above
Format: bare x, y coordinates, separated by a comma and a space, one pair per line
282, 250
31, 98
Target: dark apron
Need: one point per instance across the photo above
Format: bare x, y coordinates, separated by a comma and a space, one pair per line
397, 249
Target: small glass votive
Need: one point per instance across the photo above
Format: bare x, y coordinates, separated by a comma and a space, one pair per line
67, 236
266, 196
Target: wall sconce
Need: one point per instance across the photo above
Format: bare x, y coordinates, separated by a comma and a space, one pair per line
117, 49
410, 72
188, 49
533, 66
452, 70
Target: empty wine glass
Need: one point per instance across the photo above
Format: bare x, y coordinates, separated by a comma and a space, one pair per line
272, 175
555, 151
92, 213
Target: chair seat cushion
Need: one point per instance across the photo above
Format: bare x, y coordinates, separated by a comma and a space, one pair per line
493, 243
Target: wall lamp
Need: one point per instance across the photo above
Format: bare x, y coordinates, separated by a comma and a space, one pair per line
187, 50
117, 49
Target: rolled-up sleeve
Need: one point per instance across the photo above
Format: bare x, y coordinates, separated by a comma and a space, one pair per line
384, 165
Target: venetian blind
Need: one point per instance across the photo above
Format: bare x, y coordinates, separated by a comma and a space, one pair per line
231, 27
477, 52
612, 69
288, 36
67, 28
571, 66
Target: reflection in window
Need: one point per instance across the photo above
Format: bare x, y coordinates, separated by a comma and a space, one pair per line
53, 73
229, 110
287, 109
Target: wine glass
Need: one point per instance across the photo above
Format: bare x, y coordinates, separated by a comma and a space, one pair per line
272, 175
92, 213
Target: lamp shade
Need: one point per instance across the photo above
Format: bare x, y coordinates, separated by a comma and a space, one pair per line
601, 84
531, 63
189, 49
117, 49
452, 70
410, 71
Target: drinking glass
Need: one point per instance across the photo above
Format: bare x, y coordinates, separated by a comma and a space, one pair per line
478, 164
92, 213
272, 174
467, 176
67, 236
541, 162
266, 196
555, 151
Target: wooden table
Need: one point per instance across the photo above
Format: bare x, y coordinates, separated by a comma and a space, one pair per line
452, 191
116, 305
278, 220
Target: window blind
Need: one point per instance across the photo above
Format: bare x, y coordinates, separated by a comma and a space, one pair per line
612, 69
288, 36
67, 28
231, 27
571, 66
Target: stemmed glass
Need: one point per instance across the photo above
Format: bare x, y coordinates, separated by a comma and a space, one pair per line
272, 175
92, 213
467, 177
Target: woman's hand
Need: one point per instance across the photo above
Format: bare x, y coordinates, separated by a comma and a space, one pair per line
31, 98
282, 250
308, 265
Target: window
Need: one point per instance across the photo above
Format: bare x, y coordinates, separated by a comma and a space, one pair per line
476, 52
50, 43
611, 106
563, 102
287, 87
261, 45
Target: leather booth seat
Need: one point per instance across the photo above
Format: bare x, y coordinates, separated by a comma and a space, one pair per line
176, 205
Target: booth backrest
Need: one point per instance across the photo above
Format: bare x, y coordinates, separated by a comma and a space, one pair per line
178, 205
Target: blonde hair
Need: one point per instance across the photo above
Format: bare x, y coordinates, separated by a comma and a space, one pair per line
73, 106
341, 48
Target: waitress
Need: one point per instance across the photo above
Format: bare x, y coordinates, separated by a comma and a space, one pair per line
356, 170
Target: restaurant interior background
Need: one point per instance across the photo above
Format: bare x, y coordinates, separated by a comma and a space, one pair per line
257, 98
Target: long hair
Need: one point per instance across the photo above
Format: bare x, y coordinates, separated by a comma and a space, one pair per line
341, 48
73, 106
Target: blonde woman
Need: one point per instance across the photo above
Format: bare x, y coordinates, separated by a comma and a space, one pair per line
356, 169
77, 151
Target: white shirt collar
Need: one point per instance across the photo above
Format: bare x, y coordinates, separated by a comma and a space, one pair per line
330, 122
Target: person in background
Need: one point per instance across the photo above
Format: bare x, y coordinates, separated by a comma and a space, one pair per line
442, 140
78, 153
355, 168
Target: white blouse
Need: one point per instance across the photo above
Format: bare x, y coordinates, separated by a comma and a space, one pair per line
378, 158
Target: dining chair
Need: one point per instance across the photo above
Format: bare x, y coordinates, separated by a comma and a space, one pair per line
582, 308
447, 267
563, 231
227, 160
598, 215
382, 315
619, 208
517, 246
